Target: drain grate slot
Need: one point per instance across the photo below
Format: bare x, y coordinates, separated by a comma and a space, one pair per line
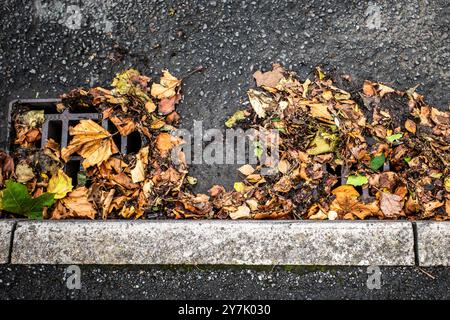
56, 126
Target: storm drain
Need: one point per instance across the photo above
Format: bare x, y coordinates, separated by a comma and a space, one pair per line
56, 127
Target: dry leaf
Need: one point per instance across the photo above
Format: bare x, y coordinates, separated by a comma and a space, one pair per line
167, 105
150, 106
283, 166
320, 111
60, 184
246, 169
346, 203
107, 204
260, 102
90, 141
368, 88
24, 173
241, 212
270, 78
320, 215
390, 204
382, 89
167, 86
125, 126
283, 185
138, 172
78, 205
410, 126
165, 142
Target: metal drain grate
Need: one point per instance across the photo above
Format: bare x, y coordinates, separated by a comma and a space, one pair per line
56, 127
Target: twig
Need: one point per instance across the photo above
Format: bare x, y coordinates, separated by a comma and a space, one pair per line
427, 273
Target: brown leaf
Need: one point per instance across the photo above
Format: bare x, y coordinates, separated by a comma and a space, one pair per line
283, 185
383, 89
167, 105
320, 111
391, 204
246, 169
269, 78
78, 205
125, 126
410, 126
216, 190
368, 88
165, 142
241, 212
107, 204
346, 203
125, 181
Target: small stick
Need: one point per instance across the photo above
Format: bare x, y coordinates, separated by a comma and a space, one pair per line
427, 273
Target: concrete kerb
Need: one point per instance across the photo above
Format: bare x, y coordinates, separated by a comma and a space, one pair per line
433, 243
214, 242
6, 232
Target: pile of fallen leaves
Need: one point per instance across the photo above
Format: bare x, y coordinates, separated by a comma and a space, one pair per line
341, 156
111, 184
336, 163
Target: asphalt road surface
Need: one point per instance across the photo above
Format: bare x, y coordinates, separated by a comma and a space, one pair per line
206, 282
48, 47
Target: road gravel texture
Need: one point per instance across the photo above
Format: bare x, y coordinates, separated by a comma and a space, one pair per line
50, 46
202, 282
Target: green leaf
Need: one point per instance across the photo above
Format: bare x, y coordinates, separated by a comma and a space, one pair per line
407, 159
394, 137
357, 180
258, 149
15, 199
377, 162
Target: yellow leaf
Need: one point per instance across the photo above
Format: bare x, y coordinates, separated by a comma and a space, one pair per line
327, 95
239, 186
447, 184
60, 184
90, 141
322, 143
150, 106
167, 86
